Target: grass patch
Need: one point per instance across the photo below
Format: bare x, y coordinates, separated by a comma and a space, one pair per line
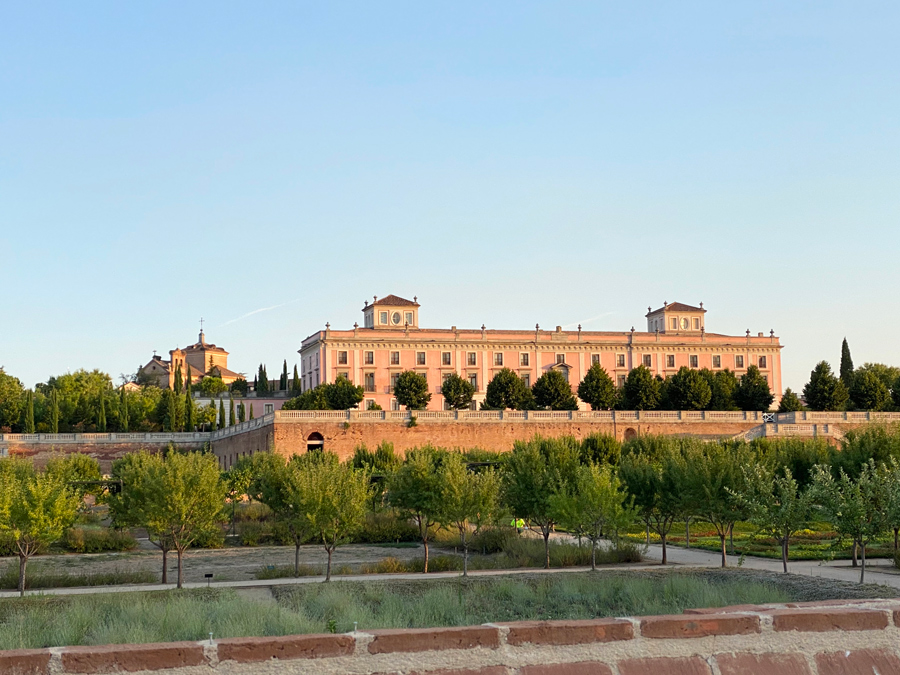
38, 577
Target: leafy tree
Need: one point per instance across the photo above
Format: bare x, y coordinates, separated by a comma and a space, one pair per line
753, 391
211, 386
601, 449
415, 489
877, 443
776, 504
75, 468
867, 392
262, 384
179, 380
382, 462
470, 500
641, 390
296, 385
12, 398
652, 481
846, 371
221, 414
311, 399
411, 390
507, 391
78, 394
35, 510
457, 392
857, 508
790, 402
722, 384
532, 473
29, 412
688, 390
552, 390
339, 395
123, 411
333, 498
207, 415
887, 374
597, 389
101, 416
595, 505
824, 391
711, 474
240, 386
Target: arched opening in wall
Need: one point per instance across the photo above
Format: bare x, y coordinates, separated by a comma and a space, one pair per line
630, 433
315, 442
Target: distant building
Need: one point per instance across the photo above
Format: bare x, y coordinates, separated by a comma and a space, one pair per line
390, 341
203, 358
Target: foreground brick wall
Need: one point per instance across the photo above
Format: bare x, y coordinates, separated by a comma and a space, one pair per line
105, 453
840, 638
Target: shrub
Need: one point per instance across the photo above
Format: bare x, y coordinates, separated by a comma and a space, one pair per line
253, 533
388, 565
385, 527
253, 511
98, 540
438, 563
212, 539
287, 571
39, 578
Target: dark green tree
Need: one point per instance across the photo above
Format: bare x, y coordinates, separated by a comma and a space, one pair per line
641, 390
895, 393
239, 386
54, 412
846, 372
12, 398
411, 390
867, 392
552, 390
753, 391
824, 391
221, 414
283, 380
231, 414
28, 426
887, 374
242, 412
597, 389
295, 383
722, 384
342, 394
190, 412
507, 391
179, 380
688, 390
101, 415
790, 402
457, 392
262, 381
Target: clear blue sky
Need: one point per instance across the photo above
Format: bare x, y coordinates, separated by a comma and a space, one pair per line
509, 163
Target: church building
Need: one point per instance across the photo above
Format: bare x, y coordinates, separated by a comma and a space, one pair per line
203, 358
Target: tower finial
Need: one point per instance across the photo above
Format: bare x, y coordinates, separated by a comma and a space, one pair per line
202, 338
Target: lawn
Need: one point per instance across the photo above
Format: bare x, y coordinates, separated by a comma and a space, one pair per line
818, 542
312, 608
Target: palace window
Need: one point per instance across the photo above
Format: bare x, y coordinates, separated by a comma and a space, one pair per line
523, 359
369, 358
621, 381
370, 404
695, 360
395, 358
717, 361
739, 361
498, 358
674, 323
620, 360
268, 408
395, 405
595, 359
394, 378
382, 318
670, 360
342, 358
409, 318
369, 379
473, 380
560, 358
762, 361
420, 358
445, 358
648, 360
472, 359
526, 378
696, 324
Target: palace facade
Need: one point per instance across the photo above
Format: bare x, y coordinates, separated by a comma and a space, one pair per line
391, 341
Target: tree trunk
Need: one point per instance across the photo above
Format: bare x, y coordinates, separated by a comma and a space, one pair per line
855, 563
180, 553
547, 547
665, 557
687, 532
328, 568
722, 541
731, 538
425, 570
296, 558
648, 534
165, 577
896, 530
862, 568
23, 562
593, 554
465, 544
784, 554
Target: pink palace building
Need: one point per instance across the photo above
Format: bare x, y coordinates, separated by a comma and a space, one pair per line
390, 341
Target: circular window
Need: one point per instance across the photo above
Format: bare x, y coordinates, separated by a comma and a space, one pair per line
684, 324
395, 317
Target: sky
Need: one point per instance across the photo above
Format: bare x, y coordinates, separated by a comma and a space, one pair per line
270, 166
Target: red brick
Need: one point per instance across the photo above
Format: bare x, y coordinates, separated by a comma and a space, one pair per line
486, 670
756, 664
698, 626
428, 639
24, 662
129, 658
863, 662
897, 617
693, 665
568, 632
836, 618
581, 668
730, 609
248, 650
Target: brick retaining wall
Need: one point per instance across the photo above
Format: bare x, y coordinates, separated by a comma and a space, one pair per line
828, 638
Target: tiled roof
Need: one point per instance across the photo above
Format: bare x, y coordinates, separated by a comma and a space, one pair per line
396, 301
678, 307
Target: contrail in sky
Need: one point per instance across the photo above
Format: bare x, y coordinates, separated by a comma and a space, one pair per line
261, 309
570, 326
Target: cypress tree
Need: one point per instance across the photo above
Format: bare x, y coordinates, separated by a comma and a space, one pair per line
846, 364
170, 411
29, 412
101, 416
263, 386
284, 377
179, 382
295, 385
54, 412
189, 421
221, 414
187, 381
242, 412
251, 411
255, 384
231, 420
123, 411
